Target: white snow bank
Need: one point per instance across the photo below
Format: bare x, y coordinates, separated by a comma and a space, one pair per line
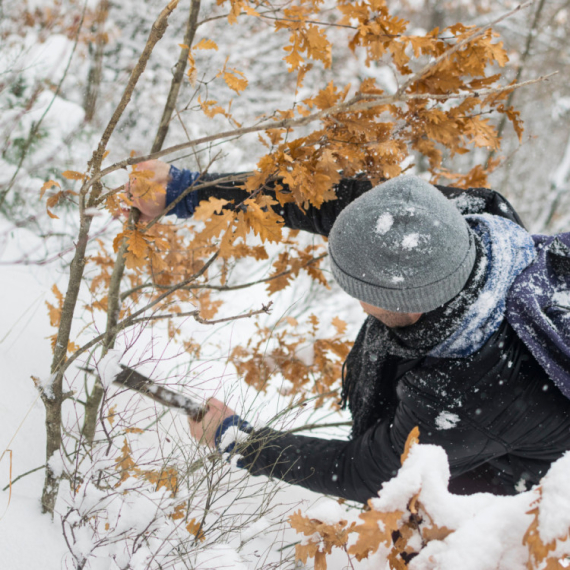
554, 514
486, 532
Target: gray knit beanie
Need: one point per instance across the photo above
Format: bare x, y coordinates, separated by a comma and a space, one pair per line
402, 246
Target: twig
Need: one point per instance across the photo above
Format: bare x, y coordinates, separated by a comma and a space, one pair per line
156, 33
178, 75
225, 287
310, 427
59, 255
196, 316
96, 71
23, 475
264, 309
529, 41
482, 92
242, 176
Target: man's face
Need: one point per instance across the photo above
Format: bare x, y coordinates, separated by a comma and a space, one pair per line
391, 318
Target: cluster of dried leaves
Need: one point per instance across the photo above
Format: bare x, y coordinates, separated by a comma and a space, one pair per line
317, 375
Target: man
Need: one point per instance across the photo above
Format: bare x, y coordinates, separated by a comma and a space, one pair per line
434, 269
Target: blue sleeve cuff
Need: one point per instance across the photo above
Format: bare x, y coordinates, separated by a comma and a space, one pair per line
179, 181
232, 421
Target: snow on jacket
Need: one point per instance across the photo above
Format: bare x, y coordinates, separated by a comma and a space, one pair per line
496, 413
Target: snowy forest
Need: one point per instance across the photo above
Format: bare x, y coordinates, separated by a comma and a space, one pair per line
230, 303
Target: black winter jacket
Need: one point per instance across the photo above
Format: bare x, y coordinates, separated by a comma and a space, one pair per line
498, 416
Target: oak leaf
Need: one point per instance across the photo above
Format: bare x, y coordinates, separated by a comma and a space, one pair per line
210, 108
137, 244
413, 439
207, 208
206, 44
376, 529
195, 528
47, 185
435, 533
73, 175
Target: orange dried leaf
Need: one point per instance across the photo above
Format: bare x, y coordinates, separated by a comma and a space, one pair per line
339, 325
111, 414
137, 244
47, 185
73, 175
376, 529
305, 551
413, 438
303, 524
435, 533
235, 80
179, 512
320, 561
195, 528
211, 108
207, 208
206, 44
249, 10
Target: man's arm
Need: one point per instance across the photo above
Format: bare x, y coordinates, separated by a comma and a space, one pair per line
314, 220
357, 469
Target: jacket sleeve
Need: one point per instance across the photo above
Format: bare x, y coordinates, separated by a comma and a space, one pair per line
320, 220
354, 469
314, 220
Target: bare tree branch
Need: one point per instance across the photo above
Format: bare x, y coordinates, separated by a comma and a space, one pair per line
178, 76
156, 33
224, 287
529, 42
96, 71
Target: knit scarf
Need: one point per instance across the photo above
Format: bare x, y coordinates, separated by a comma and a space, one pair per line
456, 330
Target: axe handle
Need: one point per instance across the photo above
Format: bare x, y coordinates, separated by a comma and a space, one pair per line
136, 381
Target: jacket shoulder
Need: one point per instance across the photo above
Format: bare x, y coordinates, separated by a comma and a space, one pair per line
481, 201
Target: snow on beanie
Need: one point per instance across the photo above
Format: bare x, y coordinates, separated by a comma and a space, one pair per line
402, 246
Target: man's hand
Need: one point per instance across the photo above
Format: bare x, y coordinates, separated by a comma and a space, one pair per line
150, 208
205, 431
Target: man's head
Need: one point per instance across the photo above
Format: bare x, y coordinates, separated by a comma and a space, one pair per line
401, 248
